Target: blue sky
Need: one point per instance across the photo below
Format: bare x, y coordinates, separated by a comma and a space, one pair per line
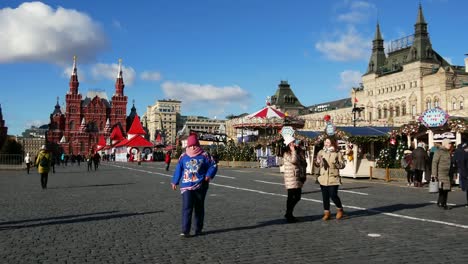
219, 57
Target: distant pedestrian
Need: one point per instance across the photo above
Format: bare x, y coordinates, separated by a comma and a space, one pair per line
407, 165
89, 161
27, 160
330, 161
167, 160
461, 158
43, 163
96, 160
193, 173
294, 175
440, 171
420, 159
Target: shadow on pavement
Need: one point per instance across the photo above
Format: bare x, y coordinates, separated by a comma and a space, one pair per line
70, 219
280, 221
384, 209
93, 185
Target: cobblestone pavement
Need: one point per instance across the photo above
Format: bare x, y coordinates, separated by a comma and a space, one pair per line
125, 213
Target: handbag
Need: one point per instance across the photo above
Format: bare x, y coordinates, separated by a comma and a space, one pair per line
433, 185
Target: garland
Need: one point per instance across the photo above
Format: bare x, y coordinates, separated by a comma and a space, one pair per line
458, 125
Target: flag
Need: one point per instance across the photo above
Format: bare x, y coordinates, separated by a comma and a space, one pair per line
355, 99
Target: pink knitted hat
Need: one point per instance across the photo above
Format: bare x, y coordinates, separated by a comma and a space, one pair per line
192, 140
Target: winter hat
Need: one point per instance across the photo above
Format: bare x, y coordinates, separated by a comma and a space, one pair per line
192, 140
446, 143
407, 151
288, 139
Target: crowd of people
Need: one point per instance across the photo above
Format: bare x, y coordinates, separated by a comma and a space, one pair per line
196, 168
443, 163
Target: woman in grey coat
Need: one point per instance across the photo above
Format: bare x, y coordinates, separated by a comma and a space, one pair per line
440, 170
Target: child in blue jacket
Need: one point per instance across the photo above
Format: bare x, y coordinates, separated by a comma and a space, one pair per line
193, 173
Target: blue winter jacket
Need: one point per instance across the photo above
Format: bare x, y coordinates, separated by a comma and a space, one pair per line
190, 172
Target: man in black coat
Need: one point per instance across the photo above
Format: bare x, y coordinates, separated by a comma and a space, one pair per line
420, 159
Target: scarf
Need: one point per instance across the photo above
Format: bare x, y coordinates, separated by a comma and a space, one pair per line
330, 149
192, 152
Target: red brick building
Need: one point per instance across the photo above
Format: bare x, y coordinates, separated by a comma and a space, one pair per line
77, 131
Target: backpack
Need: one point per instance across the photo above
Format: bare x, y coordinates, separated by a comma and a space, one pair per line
44, 162
406, 162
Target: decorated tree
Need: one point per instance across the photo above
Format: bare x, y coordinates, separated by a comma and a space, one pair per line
399, 153
384, 160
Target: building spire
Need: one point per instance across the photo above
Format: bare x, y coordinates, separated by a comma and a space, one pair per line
119, 83
378, 57
119, 74
378, 35
73, 84
420, 19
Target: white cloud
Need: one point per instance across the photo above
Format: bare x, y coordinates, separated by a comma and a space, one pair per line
349, 79
358, 12
151, 76
346, 46
110, 72
205, 97
36, 32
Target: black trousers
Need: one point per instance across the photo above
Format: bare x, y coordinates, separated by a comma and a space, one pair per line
167, 166
443, 195
330, 192
44, 178
418, 175
409, 176
294, 196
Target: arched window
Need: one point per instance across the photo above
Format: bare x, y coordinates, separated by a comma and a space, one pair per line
379, 112
403, 109
461, 102
385, 111
454, 105
391, 110
397, 110
428, 103
71, 125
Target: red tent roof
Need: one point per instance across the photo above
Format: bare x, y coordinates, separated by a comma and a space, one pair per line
136, 128
267, 112
136, 141
102, 141
116, 134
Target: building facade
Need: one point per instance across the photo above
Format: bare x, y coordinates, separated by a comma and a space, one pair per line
162, 119
85, 119
400, 84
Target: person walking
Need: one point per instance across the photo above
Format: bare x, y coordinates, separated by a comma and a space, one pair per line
89, 161
440, 171
27, 160
193, 173
167, 160
407, 164
96, 160
461, 159
43, 163
294, 176
330, 161
420, 159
